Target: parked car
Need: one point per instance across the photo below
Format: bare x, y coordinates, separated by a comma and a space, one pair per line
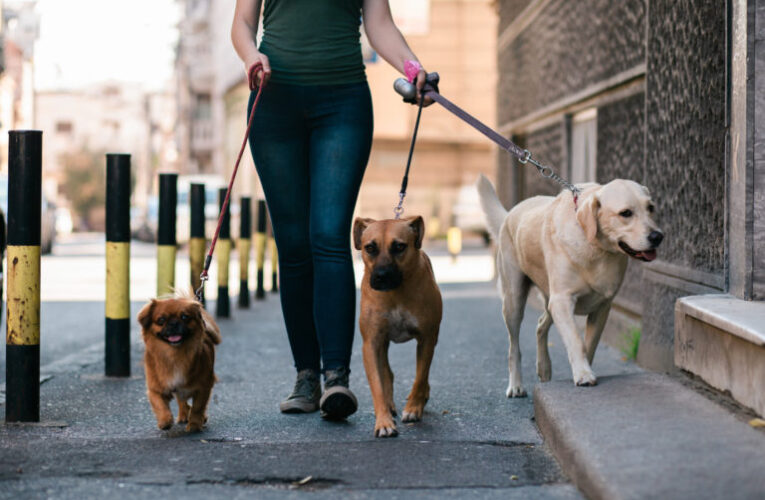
47, 217
468, 215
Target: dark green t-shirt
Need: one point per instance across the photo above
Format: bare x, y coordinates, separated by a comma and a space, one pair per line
313, 42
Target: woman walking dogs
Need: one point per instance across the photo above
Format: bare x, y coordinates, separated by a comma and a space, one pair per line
310, 139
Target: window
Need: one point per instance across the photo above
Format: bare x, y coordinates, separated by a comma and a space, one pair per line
584, 146
63, 127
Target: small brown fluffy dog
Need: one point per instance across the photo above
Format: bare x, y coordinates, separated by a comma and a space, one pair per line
180, 338
400, 301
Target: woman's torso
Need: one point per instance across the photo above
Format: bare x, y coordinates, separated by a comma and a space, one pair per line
313, 42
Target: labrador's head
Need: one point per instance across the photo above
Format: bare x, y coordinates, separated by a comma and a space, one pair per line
619, 216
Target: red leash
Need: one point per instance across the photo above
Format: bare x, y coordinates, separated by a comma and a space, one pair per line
251, 74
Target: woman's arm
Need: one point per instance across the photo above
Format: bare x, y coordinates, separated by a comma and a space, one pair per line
387, 40
244, 31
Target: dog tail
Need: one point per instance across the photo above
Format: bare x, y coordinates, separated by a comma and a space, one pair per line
492, 208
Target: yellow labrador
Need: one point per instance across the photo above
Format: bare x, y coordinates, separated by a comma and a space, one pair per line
576, 256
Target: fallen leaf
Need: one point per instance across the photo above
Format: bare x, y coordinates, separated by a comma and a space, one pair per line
202, 441
514, 477
445, 412
304, 481
757, 422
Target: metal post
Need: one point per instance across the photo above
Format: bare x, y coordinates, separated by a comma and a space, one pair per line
260, 248
22, 341
117, 355
197, 241
168, 199
224, 252
274, 257
245, 233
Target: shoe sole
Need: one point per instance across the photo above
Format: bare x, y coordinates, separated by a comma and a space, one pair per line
337, 403
298, 407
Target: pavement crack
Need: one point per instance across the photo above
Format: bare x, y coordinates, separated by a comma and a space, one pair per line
309, 483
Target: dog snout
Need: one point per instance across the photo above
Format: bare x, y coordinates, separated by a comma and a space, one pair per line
655, 238
385, 277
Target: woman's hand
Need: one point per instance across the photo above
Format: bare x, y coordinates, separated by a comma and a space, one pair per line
420, 83
258, 70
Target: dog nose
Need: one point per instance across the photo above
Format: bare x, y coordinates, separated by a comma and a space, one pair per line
654, 238
385, 278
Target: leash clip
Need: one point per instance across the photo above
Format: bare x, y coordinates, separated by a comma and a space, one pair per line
199, 291
400, 207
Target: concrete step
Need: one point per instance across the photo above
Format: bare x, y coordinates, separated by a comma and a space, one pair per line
722, 340
647, 436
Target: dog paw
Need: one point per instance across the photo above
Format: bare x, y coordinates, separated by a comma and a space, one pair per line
515, 391
412, 414
165, 424
586, 378
385, 428
182, 419
194, 427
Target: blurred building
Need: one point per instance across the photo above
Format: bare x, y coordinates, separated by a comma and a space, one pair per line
195, 77
668, 94
457, 38
18, 32
111, 117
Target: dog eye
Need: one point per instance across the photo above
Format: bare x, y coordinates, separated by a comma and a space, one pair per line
161, 320
185, 317
371, 249
626, 213
651, 208
397, 247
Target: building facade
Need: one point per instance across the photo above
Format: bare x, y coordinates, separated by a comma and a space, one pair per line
663, 92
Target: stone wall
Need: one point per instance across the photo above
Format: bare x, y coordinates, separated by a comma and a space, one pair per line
567, 47
759, 153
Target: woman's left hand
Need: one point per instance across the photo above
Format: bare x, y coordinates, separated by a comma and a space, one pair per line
421, 79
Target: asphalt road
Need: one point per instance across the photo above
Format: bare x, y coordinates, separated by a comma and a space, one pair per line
98, 436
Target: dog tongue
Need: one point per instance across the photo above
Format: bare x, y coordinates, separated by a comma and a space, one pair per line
174, 338
648, 255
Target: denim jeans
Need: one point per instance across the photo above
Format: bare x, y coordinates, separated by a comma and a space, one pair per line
311, 144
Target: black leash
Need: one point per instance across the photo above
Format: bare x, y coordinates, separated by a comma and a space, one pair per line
409, 91
402, 193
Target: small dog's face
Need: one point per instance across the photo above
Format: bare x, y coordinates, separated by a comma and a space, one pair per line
173, 321
622, 213
389, 248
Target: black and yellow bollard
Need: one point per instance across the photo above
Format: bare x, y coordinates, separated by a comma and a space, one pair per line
454, 241
117, 355
243, 249
274, 258
223, 309
197, 241
168, 200
260, 248
22, 341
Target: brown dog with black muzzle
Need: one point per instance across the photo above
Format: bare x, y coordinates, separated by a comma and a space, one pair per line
400, 301
180, 338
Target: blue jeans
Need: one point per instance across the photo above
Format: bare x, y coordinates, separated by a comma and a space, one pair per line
311, 145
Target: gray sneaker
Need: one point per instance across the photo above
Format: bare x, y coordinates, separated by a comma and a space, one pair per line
305, 395
337, 402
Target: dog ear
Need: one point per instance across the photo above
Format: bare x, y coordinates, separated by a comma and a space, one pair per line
359, 225
144, 316
646, 191
587, 217
418, 226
